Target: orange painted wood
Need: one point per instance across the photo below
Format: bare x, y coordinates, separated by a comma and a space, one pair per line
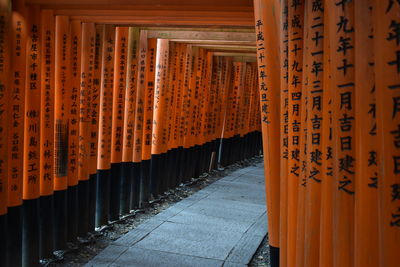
140, 91
172, 92
387, 73
31, 171
191, 60
186, 95
119, 87
106, 99
314, 89
47, 104
17, 103
295, 61
61, 96
5, 86
341, 27
85, 98
149, 99
366, 217
74, 102
284, 129
159, 142
130, 95
327, 183
95, 99
267, 34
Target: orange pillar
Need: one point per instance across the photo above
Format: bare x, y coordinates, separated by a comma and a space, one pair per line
314, 89
31, 165
139, 113
295, 84
387, 73
327, 183
15, 132
284, 129
85, 96
366, 232
47, 134
267, 36
120, 68
105, 123
5, 89
159, 135
73, 130
341, 30
129, 119
94, 103
149, 65
62, 96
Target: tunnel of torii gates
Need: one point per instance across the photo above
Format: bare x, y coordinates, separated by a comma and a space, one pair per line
106, 105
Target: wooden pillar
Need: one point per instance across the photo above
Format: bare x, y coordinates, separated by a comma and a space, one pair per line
5, 89
148, 65
314, 89
85, 97
267, 34
120, 68
341, 30
47, 135
16, 138
129, 120
284, 129
73, 207
366, 214
105, 123
62, 102
387, 73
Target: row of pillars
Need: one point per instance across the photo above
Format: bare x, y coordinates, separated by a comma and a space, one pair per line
97, 121
329, 75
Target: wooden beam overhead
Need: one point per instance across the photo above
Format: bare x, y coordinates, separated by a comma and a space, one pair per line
200, 13
203, 35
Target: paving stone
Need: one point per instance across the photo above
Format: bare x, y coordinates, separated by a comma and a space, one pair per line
95, 263
233, 264
137, 257
131, 238
150, 224
254, 198
107, 256
221, 225
246, 247
209, 222
190, 240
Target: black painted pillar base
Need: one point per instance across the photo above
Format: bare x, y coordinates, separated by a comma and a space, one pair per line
138, 169
145, 187
92, 202
83, 212
185, 164
30, 233
102, 197
115, 186
46, 214
274, 256
179, 166
14, 236
171, 167
73, 208
60, 220
155, 168
163, 173
3, 238
125, 196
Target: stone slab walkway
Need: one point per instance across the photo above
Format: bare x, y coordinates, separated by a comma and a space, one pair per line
220, 225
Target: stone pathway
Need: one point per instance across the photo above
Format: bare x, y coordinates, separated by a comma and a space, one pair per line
220, 225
